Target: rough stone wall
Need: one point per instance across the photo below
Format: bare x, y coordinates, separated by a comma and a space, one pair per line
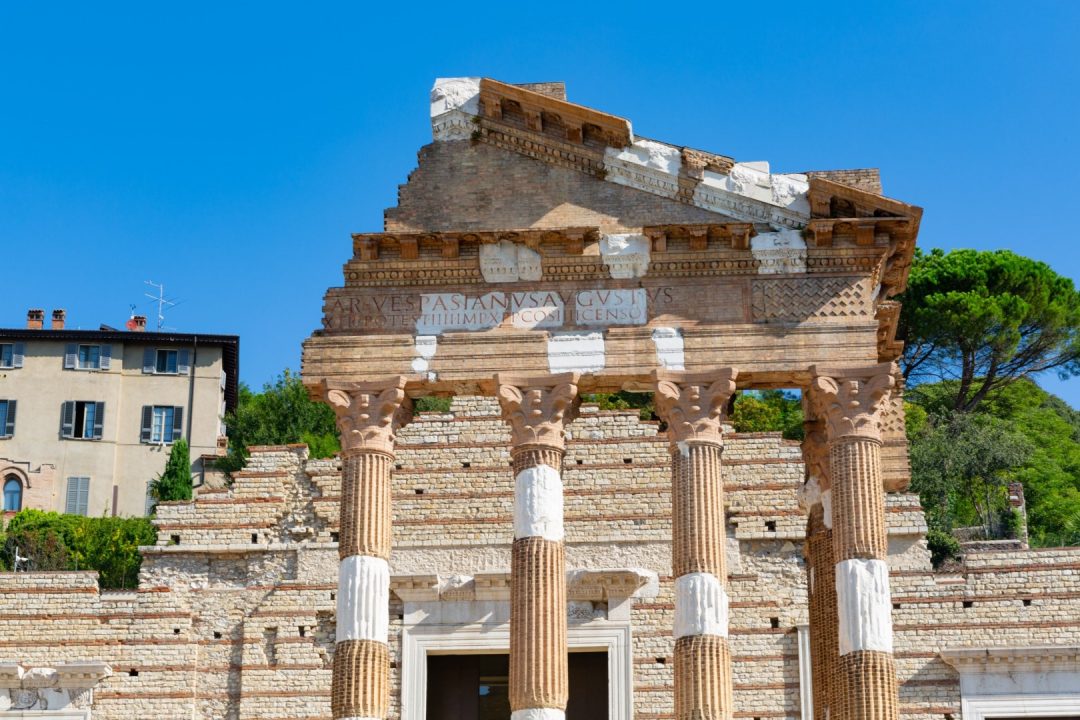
234, 616
461, 185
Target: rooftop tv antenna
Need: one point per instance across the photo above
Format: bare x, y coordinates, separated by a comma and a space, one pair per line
162, 303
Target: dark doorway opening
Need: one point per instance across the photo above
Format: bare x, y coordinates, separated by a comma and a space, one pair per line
476, 687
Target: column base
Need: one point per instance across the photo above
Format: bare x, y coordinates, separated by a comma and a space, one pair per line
538, 714
703, 678
865, 687
361, 687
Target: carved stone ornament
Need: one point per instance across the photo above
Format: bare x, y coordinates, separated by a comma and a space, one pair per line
694, 405
538, 408
815, 452
369, 414
852, 401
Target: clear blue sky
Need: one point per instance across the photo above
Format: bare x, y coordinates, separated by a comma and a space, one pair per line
229, 150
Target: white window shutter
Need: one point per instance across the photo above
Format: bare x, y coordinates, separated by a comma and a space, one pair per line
149, 360
9, 430
99, 420
178, 423
71, 356
67, 419
147, 423
18, 352
106, 356
183, 363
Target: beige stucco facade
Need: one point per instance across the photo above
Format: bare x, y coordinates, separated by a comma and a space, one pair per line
120, 462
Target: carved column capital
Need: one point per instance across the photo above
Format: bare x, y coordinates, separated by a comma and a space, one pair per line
538, 407
851, 401
694, 405
815, 452
369, 414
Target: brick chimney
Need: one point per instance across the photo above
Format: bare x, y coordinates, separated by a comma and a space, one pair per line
58, 317
137, 323
35, 319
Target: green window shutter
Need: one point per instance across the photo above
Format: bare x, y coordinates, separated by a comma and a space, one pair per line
71, 356
106, 356
149, 361
147, 423
67, 419
17, 354
99, 420
183, 363
178, 423
9, 430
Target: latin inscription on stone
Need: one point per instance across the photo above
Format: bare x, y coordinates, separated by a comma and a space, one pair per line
532, 309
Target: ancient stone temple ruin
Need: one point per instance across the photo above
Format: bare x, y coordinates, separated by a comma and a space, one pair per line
524, 553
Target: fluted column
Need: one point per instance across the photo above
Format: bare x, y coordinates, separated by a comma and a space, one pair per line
815, 499
537, 409
851, 403
368, 416
693, 405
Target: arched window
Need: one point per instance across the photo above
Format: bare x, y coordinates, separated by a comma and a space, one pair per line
12, 494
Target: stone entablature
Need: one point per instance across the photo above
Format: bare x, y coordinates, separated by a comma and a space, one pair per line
65, 689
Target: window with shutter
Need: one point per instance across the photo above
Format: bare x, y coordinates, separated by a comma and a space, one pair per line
18, 353
82, 420
167, 362
148, 360
7, 355
145, 434
106, 356
89, 357
71, 356
178, 423
78, 496
67, 419
7, 418
183, 363
164, 423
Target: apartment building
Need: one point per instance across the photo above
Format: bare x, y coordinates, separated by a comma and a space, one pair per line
88, 417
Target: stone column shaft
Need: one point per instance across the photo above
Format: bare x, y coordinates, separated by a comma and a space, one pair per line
368, 417
851, 402
537, 410
693, 407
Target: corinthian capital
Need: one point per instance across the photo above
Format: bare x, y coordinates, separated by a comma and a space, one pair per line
369, 413
851, 401
694, 405
538, 408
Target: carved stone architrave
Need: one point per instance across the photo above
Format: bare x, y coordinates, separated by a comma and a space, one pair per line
537, 408
369, 414
694, 404
852, 401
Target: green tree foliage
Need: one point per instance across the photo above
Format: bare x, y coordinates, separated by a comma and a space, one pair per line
624, 400
987, 319
53, 541
174, 483
282, 413
960, 466
769, 411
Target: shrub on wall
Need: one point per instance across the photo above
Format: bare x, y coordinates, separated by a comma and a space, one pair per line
53, 541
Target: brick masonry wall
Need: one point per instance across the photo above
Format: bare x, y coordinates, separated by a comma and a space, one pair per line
234, 616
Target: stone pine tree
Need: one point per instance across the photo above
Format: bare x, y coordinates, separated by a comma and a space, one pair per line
174, 483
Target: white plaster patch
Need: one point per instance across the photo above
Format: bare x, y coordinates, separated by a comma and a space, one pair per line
669, 347
792, 191
576, 351
455, 93
506, 261
625, 254
536, 309
538, 503
865, 611
425, 347
646, 165
701, 606
652, 154
538, 714
363, 599
826, 507
611, 307
440, 312
809, 494
779, 252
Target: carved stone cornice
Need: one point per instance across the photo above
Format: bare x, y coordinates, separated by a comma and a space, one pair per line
694, 404
538, 408
369, 414
852, 400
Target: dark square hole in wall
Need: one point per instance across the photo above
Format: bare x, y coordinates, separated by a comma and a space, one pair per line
217, 635
333, 596
397, 466
580, 461
774, 622
419, 491
466, 464
896, 606
661, 661
968, 603
303, 631
174, 539
334, 537
176, 631
133, 672
1027, 602
770, 525
254, 538
628, 461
